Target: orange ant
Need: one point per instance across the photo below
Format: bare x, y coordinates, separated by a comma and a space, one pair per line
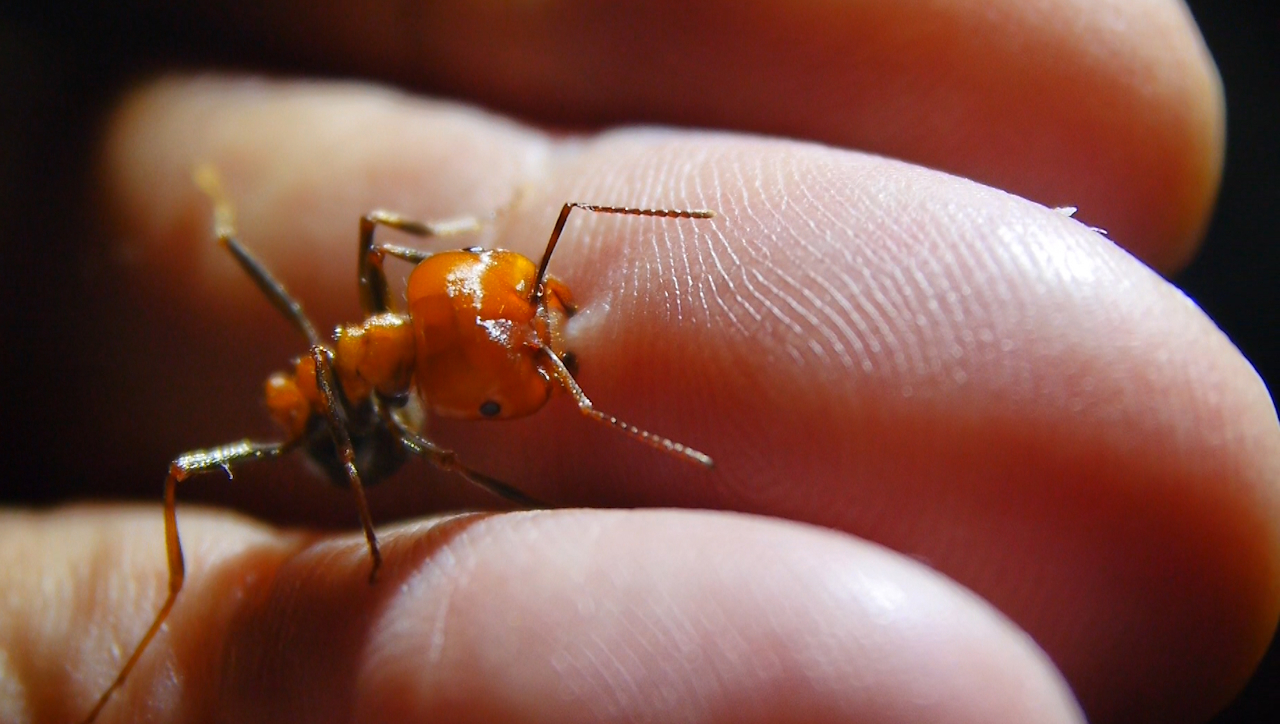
482, 339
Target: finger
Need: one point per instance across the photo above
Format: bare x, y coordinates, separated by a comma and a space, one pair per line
1113, 107
869, 346
565, 616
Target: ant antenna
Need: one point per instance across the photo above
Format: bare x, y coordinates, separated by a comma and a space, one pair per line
538, 291
556, 368
561, 374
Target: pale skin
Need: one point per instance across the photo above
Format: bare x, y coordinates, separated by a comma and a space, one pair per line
1040, 467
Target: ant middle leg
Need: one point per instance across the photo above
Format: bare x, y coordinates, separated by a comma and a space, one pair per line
339, 427
196, 462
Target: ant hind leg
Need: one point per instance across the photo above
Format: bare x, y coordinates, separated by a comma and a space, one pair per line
224, 226
196, 462
336, 415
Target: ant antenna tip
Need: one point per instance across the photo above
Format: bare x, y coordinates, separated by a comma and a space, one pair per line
685, 452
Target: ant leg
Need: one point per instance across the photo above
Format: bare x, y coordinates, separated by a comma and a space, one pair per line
336, 414
539, 292
448, 460
207, 178
224, 227
375, 297
556, 369
196, 462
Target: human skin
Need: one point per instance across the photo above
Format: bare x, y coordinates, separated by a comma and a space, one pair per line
962, 377
1112, 106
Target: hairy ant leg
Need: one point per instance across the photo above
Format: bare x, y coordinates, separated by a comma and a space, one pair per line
224, 227
335, 413
375, 296
187, 465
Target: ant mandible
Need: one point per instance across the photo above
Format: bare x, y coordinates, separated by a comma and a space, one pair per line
482, 338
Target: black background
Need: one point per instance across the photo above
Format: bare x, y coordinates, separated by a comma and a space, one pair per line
56, 80
1236, 278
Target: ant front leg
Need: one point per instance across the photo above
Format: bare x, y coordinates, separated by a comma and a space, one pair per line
196, 462
375, 297
447, 460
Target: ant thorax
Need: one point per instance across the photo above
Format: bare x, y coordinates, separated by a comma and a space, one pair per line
376, 355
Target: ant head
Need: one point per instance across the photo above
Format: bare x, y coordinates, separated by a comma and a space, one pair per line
481, 322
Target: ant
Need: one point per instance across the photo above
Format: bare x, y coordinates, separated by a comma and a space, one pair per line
482, 338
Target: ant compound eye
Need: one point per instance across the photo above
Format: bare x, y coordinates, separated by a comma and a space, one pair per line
489, 408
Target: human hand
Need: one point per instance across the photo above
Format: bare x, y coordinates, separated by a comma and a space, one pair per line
963, 377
